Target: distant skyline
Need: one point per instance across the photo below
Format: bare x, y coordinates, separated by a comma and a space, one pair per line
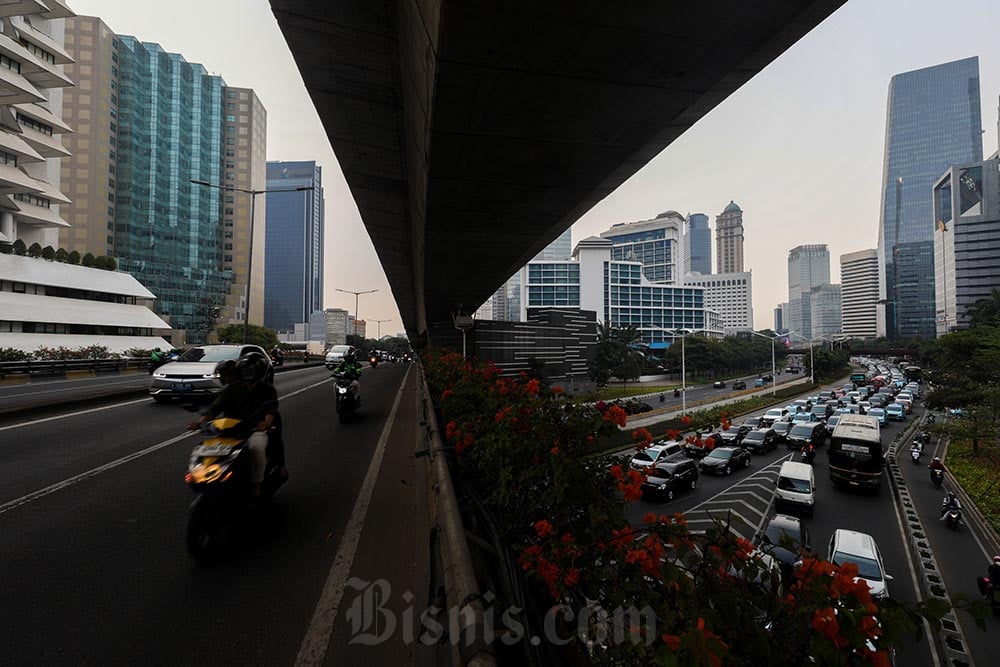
799, 147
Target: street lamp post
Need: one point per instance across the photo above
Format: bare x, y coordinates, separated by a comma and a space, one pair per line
812, 365
774, 369
379, 322
684, 333
253, 201
356, 296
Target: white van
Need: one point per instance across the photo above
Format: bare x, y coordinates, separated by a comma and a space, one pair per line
796, 487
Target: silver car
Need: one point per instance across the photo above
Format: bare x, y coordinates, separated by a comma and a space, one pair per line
194, 373
335, 355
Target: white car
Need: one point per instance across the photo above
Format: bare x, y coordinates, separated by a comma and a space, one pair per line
774, 415
335, 355
850, 546
194, 373
657, 453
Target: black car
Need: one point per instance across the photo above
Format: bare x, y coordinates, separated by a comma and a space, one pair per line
759, 441
667, 479
724, 460
752, 423
781, 430
719, 384
784, 538
767, 377
803, 434
739, 384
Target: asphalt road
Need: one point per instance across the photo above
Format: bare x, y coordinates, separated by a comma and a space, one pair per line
749, 494
93, 509
702, 392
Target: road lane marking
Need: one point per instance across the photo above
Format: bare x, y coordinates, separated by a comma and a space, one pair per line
70, 481
317, 638
116, 405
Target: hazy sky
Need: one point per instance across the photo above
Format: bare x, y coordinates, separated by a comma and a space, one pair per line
799, 147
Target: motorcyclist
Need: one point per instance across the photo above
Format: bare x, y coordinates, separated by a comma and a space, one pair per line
350, 369
994, 573
950, 502
677, 393
226, 370
252, 400
936, 464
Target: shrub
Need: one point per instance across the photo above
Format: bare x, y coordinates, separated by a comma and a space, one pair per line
112, 264
20, 248
35, 250
73, 257
101, 262
49, 253
62, 255
13, 354
88, 259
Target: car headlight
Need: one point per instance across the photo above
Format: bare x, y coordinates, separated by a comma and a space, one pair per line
661, 487
159, 375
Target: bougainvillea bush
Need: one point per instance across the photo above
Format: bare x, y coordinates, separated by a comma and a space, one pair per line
685, 598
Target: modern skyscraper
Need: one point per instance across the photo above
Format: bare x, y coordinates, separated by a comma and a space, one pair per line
729, 239
808, 267
730, 295
656, 244
859, 293
966, 241
507, 299
293, 261
148, 123
33, 60
698, 243
779, 318
933, 121
824, 311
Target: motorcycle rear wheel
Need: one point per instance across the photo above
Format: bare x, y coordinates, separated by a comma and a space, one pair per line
204, 533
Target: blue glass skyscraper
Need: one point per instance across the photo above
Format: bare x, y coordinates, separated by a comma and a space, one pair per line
700, 243
293, 259
933, 121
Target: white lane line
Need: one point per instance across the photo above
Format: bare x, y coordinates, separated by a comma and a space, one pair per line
760, 473
116, 405
317, 639
70, 481
136, 380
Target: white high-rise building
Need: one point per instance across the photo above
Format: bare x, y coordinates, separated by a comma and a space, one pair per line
32, 45
859, 293
808, 267
730, 295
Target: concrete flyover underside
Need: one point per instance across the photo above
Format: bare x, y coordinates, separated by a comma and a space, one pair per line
473, 132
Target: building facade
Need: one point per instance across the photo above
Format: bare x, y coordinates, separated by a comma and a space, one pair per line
147, 124
729, 239
779, 318
56, 304
507, 299
338, 326
966, 240
825, 307
730, 295
293, 260
808, 267
656, 244
619, 292
933, 121
698, 245
859, 294
31, 127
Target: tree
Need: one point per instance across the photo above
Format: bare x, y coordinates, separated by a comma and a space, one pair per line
88, 259
73, 257
101, 262
35, 250
985, 311
62, 255
6, 248
606, 355
112, 264
49, 253
233, 333
20, 248
962, 367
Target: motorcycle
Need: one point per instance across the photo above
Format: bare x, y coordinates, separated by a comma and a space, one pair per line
915, 454
373, 360
937, 476
677, 393
808, 455
992, 597
277, 358
953, 518
347, 401
220, 473
930, 419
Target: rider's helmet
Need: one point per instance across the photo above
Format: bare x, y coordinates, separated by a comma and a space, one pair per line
350, 357
226, 370
252, 367
937, 459
996, 559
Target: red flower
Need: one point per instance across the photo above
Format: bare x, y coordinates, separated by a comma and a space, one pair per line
446, 393
572, 577
451, 430
672, 641
532, 387
643, 436
686, 420
557, 390
554, 451
825, 622
649, 517
616, 472
544, 528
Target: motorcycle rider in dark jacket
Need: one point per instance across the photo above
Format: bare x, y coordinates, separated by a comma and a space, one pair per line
350, 369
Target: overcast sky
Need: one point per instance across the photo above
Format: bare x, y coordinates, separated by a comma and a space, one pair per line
799, 147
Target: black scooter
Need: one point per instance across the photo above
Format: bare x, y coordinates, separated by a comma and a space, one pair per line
808, 455
348, 402
937, 477
992, 596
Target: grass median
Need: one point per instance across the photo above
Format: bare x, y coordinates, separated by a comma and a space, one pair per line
978, 476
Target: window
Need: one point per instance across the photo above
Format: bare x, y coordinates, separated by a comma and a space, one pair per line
229, 258
229, 246
230, 199
38, 51
12, 65
230, 152
230, 118
231, 94
34, 200
8, 158
34, 124
230, 141
229, 211
230, 175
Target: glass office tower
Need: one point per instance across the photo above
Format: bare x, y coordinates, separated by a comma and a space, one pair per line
168, 232
699, 240
933, 121
293, 262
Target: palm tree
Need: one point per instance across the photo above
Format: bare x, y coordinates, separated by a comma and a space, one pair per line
985, 311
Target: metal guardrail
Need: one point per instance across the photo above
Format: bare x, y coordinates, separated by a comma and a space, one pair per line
461, 586
33, 368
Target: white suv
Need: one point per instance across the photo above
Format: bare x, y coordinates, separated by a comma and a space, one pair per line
850, 546
335, 355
